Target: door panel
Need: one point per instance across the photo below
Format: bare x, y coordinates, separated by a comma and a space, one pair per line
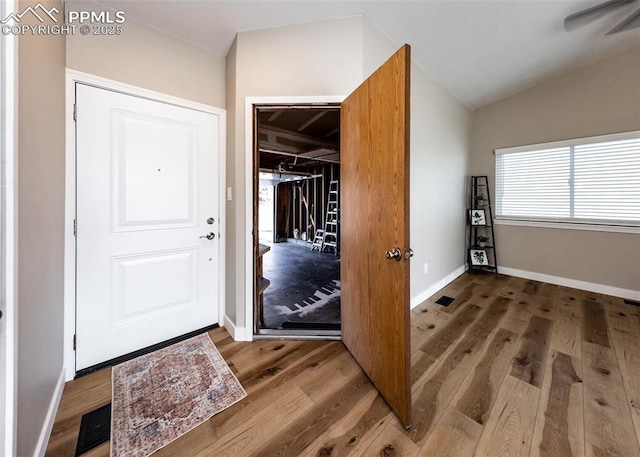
375, 219
145, 284
171, 147
147, 181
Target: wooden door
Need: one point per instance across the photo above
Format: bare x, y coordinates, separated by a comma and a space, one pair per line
374, 220
147, 197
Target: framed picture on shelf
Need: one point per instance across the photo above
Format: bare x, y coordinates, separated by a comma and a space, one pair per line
479, 257
477, 217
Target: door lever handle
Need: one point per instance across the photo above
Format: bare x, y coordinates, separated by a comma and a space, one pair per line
209, 236
395, 253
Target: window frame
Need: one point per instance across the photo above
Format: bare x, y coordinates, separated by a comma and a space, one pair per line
565, 223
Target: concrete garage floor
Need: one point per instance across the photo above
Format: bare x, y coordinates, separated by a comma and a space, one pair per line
305, 286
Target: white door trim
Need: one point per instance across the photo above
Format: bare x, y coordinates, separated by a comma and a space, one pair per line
9, 237
245, 333
73, 77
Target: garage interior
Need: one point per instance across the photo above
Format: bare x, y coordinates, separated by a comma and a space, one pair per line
297, 217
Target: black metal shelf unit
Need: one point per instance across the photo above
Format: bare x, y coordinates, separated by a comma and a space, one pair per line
481, 249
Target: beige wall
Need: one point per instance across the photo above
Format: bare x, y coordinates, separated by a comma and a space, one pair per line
234, 236
599, 99
376, 48
146, 57
440, 130
40, 228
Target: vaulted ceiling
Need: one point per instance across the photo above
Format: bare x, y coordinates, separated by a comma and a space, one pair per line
480, 51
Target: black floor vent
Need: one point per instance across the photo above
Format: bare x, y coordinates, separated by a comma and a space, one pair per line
444, 300
310, 325
631, 302
95, 429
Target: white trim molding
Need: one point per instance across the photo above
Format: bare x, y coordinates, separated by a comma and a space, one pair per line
423, 296
571, 142
50, 418
73, 77
237, 333
574, 283
249, 103
568, 225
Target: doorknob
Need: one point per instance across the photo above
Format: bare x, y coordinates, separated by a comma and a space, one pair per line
209, 236
395, 253
408, 254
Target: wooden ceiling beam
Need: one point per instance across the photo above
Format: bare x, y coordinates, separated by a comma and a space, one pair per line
299, 137
312, 120
336, 130
274, 116
267, 145
325, 158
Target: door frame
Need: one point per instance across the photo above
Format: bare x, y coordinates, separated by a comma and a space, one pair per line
9, 229
73, 77
246, 334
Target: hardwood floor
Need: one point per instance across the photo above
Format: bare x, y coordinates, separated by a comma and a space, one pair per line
511, 368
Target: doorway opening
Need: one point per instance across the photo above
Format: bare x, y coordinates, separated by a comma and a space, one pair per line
297, 220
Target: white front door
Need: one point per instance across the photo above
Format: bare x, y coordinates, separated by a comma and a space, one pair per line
147, 197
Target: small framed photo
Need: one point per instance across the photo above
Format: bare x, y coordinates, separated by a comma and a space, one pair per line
477, 217
479, 257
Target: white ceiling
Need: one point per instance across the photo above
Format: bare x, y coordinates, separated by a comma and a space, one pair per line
481, 51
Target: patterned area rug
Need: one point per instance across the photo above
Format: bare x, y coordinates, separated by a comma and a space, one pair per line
162, 395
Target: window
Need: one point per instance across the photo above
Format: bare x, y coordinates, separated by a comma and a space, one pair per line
589, 181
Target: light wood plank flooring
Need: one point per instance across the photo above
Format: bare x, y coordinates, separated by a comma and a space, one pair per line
511, 368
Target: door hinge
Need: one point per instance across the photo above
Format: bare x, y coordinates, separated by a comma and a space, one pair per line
74, 342
75, 227
75, 112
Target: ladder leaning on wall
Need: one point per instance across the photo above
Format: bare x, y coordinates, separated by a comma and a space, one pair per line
331, 222
327, 238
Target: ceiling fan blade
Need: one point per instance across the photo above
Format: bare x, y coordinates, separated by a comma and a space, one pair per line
581, 17
631, 22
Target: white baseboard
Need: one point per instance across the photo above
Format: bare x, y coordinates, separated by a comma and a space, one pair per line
237, 333
420, 298
50, 418
574, 283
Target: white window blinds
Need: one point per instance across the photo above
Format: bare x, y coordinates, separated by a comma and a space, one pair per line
593, 180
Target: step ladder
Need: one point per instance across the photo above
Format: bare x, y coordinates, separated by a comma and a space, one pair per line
330, 239
318, 240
